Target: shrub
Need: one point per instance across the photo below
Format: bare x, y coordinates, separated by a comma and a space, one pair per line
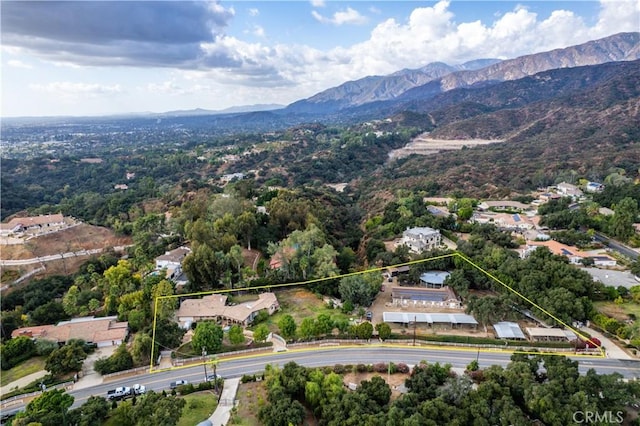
338, 369
380, 367
248, 378
401, 367
361, 368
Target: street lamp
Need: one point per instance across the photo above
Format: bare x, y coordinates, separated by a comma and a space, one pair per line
204, 362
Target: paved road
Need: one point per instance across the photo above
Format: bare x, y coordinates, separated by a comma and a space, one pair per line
333, 355
617, 246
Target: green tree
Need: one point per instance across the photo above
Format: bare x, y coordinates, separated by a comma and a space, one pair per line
360, 289
364, 330
307, 328
141, 349
236, 337
67, 359
49, 408
94, 411
324, 324
622, 221
287, 326
17, 350
207, 335
261, 333
384, 330
166, 305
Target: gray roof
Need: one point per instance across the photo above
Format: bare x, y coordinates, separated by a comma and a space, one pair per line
434, 277
430, 318
508, 330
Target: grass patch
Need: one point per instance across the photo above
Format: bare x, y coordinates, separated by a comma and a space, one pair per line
251, 397
199, 407
619, 312
23, 369
301, 303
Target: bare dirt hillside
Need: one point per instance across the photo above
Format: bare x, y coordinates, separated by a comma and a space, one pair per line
80, 237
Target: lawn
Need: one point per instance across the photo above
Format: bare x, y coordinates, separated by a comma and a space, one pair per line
619, 312
300, 303
23, 369
199, 407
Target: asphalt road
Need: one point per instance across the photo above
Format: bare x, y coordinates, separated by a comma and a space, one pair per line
619, 247
333, 355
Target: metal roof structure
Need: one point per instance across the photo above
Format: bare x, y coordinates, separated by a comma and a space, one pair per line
434, 277
508, 330
429, 318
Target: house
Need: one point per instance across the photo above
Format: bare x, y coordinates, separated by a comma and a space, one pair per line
574, 254
421, 239
541, 334
569, 190
232, 176
420, 297
594, 187
104, 332
502, 205
32, 224
214, 307
172, 262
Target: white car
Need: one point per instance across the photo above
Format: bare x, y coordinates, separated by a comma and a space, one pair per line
177, 383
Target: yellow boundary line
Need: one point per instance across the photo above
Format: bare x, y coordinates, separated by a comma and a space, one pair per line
426, 346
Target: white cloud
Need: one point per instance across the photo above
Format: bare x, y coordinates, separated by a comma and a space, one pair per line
347, 16
254, 12
70, 89
18, 64
258, 31
318, 3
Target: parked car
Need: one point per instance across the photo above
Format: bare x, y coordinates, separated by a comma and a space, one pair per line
212, 377
177, 383
138, 389
369, 315
118, 393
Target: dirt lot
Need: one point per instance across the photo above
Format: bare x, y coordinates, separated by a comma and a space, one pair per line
423, 145
80, 237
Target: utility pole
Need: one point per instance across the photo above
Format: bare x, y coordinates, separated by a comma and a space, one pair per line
415, 323
215, 375
204, 362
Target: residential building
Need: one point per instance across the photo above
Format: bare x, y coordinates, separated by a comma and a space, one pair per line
594, 187
214, 307
32, 224
503, 205
172, 262
569, 190
574, 254
104, 332
421, 239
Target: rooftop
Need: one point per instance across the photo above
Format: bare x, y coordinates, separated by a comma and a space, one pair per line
429, 318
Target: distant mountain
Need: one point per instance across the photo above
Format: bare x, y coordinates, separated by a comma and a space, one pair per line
437, 77
230, 110
379, 88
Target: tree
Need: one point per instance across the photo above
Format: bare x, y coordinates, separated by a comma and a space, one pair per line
204, 267
246, 224
364, 330
67, 359
17, 350
166, 306
261, 333
94, 411
324, 324
207, 335
360, 289
49, 408
384, 330
307, 328
141, 348
622, 221
236, 337
237, 259
287, 326
376, 390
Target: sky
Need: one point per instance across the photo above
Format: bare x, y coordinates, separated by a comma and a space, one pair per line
113, 57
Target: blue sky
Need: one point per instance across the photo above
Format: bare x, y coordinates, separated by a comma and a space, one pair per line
106, 57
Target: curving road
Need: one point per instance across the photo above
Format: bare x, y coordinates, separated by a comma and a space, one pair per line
52, 257
458, 358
